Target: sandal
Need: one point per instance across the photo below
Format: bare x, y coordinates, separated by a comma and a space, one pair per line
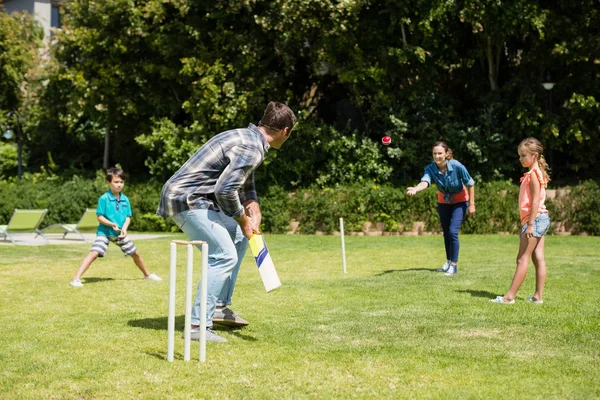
500, 300
532, 299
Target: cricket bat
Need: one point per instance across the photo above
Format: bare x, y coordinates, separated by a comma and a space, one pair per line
264, 263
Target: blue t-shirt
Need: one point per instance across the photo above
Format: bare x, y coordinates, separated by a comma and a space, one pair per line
452, 182
113, 209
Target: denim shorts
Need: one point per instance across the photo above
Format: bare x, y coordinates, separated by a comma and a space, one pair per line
540, 226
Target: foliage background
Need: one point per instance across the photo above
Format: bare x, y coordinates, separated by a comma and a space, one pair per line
314, 209
161, 77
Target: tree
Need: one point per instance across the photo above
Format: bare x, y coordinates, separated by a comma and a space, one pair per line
164, 76
119, 66
20, 39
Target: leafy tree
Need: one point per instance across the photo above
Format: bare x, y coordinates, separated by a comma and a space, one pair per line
161, 77
118, 68
20, 39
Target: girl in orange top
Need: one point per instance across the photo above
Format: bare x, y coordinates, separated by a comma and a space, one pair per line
535, 220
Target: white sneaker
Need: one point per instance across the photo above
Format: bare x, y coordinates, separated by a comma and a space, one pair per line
211, 336
76, 283
500, 300
153, 277
452, 270
532, 299
444, 267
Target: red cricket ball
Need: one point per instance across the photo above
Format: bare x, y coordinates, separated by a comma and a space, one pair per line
386, 140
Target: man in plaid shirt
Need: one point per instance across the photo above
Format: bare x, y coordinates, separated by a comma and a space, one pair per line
212, 198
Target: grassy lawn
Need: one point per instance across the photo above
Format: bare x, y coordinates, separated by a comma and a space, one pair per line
389, 328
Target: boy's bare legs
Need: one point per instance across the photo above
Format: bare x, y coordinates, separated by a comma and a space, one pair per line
540, 270
85, 264
139, 261
526, 249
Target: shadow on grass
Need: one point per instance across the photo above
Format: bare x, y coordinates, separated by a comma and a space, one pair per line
96, 280
163, 356
160, 324
389, 271
478, 293
177, 356
237, 332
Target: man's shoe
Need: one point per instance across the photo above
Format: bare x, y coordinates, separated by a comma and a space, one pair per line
211, 336
452, 270
227, 317
76, 283
444, 267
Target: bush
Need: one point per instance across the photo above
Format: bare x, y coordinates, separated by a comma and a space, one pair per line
67, 200
315, 209
496, 205
585, 203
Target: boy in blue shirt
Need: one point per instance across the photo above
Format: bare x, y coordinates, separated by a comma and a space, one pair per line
114, 216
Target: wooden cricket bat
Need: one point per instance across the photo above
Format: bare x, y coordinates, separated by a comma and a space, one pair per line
264, 263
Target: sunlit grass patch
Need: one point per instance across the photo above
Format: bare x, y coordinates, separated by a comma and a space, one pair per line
391, 327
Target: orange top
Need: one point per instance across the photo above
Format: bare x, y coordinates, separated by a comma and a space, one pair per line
459, 197
525, 195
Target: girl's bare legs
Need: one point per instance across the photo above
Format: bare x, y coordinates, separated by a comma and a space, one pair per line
526, 249
540, 269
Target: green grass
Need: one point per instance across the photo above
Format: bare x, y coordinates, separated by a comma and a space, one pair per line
389, 328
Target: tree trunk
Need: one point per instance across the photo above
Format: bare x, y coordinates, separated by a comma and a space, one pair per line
403, 34
106, 147
493, 64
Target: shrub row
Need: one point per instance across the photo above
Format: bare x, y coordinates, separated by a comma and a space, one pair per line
67, 200
573, 209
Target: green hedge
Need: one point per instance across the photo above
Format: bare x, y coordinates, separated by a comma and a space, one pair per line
572, 209
67, 200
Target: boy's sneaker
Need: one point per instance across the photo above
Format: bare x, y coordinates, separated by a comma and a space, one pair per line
153, 277
76, 283
444, 267
452, 270
211, 336
228, 317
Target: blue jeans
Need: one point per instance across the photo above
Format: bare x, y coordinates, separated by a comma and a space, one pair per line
226, 249
451, 217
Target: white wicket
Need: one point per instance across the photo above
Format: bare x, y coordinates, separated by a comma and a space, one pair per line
343, 245
188, 299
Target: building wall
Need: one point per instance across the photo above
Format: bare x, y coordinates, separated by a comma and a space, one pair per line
40, 9
19, 5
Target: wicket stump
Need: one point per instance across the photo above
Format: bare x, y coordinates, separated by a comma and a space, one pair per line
188, 299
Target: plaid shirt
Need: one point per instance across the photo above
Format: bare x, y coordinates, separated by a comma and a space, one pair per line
220, 175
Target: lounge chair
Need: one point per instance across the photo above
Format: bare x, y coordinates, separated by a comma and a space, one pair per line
87, 223
23, 223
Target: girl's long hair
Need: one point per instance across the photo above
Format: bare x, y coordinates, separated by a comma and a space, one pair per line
534, 146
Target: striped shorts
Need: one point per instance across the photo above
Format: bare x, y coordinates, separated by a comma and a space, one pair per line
101, 244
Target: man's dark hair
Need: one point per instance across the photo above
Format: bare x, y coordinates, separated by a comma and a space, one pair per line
114, 172
278, 116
